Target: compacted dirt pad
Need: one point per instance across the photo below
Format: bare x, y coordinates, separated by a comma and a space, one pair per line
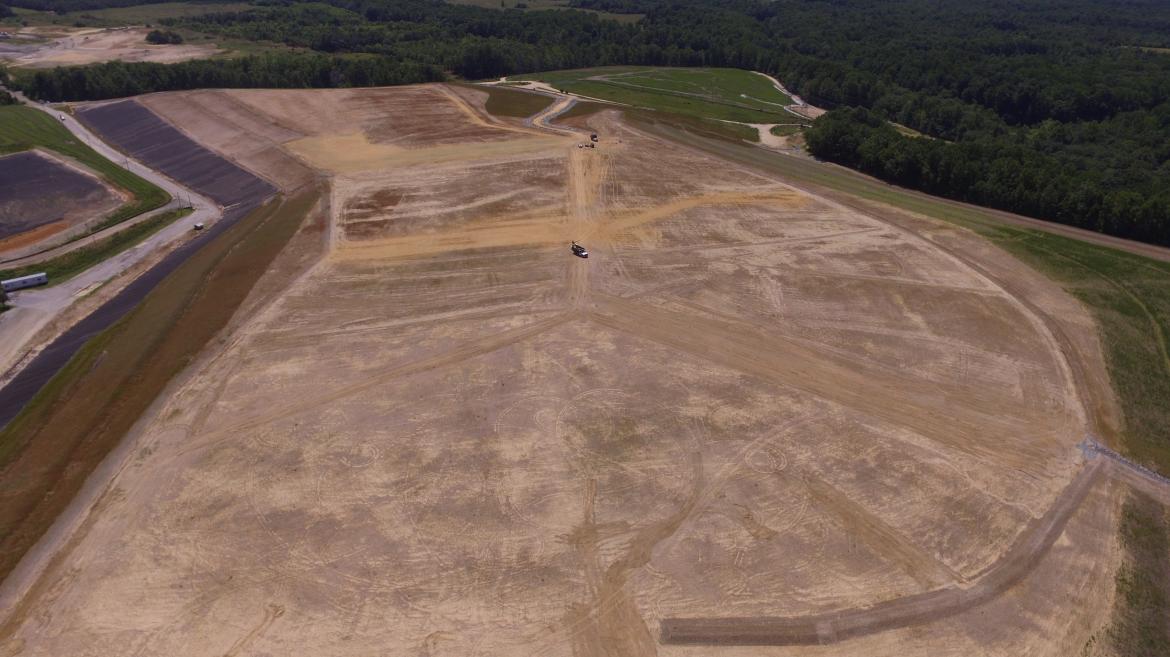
451, 437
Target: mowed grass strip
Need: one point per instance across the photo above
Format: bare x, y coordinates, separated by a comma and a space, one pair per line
22, 128
517, 104
705, 93
1128, 295
47, 451
64, 267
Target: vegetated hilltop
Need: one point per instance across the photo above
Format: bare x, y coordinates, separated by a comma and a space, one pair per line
1058, 109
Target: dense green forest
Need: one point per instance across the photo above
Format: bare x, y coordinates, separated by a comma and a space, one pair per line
164, 37
1054, 108
277, 70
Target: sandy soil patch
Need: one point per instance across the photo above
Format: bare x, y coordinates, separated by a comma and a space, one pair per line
451, 437
91, 46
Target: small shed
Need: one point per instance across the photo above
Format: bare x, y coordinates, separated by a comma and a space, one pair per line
21, 282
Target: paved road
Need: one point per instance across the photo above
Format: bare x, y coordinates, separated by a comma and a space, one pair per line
144, 134
35, 308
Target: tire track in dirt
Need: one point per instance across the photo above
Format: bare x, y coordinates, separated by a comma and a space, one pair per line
461, 353
546, 231
271, 613
586, 172
931, 606
882, 394
926, 569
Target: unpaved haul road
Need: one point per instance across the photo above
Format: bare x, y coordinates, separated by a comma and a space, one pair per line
34, 309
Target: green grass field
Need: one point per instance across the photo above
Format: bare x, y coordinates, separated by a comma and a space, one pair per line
62, 268
518, 104
22, 128
1130, 298
706, 93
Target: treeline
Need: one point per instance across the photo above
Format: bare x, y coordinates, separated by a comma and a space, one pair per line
615, 6
468, 41
65, 6
164, 37
1002, 173
286, 70
1075, 91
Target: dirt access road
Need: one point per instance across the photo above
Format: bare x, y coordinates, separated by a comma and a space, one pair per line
451, 437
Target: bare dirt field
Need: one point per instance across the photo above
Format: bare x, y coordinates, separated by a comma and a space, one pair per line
42, 195
95, 45
450, 437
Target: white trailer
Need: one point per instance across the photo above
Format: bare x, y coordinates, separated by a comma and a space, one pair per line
21, 282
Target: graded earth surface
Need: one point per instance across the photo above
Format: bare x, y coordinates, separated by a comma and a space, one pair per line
451, 437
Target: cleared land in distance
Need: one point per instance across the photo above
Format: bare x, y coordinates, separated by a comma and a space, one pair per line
532, 453
94, 45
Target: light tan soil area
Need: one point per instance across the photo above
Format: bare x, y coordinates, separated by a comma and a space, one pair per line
92, 45
451, 437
